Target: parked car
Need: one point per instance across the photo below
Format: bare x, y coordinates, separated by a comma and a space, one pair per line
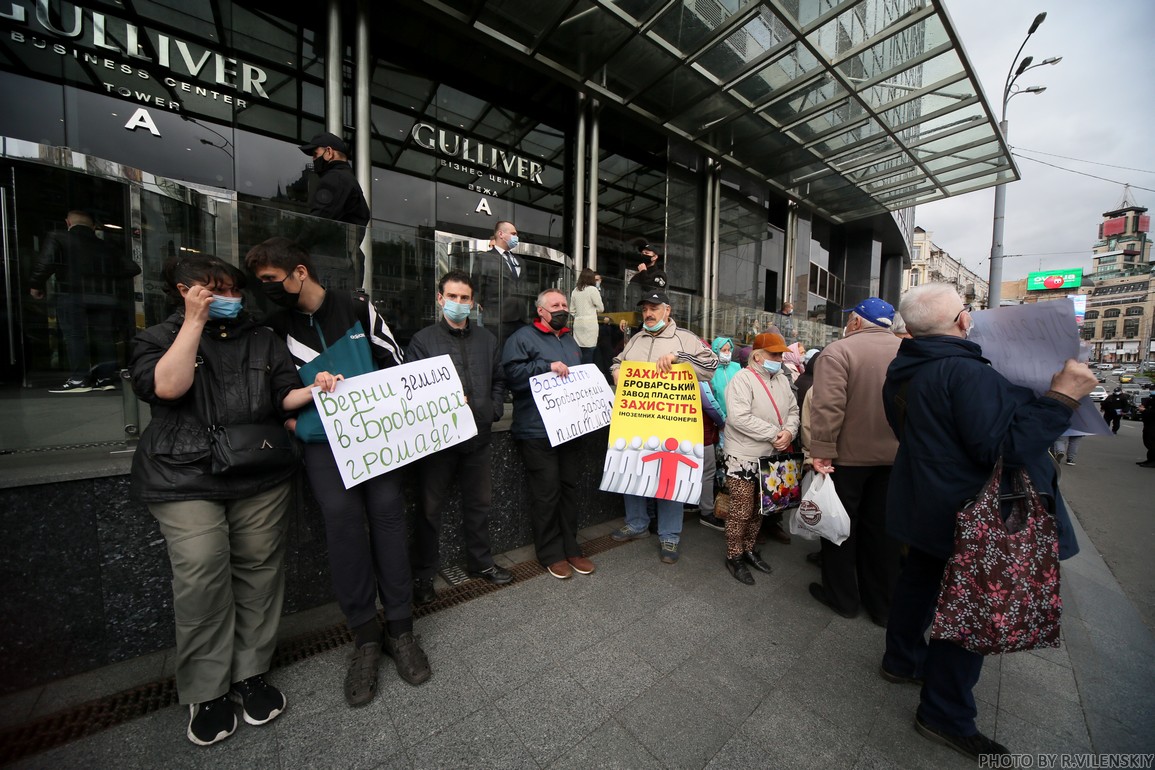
1131, 369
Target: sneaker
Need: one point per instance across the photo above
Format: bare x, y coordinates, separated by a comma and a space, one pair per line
412, 665
211, 721
1070, 462
1146, 464
104, 383
260, 701
972, 746
713, 522
626, 534
494, 574
1059, 457
361, 678
560, 570
75, 386
581, 565
423, 591
668, 552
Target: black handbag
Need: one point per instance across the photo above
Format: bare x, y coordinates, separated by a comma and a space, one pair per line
245, 448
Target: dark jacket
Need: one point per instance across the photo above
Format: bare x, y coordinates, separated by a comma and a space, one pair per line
1112, 405
338, 195
530, 351
960, 416
652, 279
247, 373
478, 364
82, 263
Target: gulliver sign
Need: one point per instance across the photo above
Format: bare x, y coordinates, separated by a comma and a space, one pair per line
474, 157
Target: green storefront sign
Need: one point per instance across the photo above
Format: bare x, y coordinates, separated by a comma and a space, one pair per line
1054, 279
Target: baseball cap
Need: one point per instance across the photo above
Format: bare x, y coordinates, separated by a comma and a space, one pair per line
648, 247
878, 311
770, 342
654, 298
325, 139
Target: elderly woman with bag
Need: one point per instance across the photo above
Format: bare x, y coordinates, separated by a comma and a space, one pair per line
214, 468
762, 419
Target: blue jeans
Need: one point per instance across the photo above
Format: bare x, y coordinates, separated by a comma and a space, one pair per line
669, 517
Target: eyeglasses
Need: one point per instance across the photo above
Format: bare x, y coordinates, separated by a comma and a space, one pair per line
959, 315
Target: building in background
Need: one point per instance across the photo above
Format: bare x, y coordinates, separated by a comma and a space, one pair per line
1118, 323
931, 264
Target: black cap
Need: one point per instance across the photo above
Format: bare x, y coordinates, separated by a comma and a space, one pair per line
325, 140
654, 298
648, 247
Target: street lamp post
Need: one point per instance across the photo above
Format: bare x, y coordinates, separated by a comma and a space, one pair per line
996, 269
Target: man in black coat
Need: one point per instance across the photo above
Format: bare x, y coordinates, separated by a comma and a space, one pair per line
1112, 408
337, 194
506, 290
478, 364
90, 286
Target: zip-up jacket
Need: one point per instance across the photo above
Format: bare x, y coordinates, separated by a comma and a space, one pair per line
530, 351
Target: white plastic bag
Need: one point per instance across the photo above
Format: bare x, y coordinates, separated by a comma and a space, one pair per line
820, 514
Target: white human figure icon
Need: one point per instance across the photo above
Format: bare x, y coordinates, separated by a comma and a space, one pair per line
611, 471
628, 467
646, 480
690, 477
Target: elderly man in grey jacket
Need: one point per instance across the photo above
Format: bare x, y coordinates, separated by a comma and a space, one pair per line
662, 343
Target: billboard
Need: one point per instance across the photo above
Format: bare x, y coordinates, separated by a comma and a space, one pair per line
1055, 279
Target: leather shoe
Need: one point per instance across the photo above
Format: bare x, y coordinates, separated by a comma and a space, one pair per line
894, 678
581, 565
560, 570
754, 559
819, 593
423, 592
494, 574
738, 569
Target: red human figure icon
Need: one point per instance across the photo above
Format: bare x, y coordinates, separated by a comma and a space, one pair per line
668, 462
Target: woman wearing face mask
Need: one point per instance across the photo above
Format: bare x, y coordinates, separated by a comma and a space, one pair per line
761, 419
585, 303
211, 363
728, 366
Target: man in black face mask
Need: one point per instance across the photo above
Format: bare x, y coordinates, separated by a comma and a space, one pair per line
337, 195
552, 471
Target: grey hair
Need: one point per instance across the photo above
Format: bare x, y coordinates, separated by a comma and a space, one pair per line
898, 325
930, 309
541, 297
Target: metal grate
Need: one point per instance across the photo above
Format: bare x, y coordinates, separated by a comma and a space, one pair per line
77, 722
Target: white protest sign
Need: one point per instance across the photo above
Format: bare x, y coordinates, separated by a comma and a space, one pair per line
379, 421
1027, 344
572, 406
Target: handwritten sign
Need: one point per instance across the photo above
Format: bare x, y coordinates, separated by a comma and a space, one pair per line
572, 406
380, 421
1027, 344
655, 446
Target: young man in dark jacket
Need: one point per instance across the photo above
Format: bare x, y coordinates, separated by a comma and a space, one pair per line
959, 416
478, 364
342, 333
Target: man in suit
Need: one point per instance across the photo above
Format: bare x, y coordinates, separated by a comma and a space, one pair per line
506, 288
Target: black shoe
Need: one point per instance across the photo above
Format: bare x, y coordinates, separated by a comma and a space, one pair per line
211, 721
754, 559
819, 593
1146, 464
83, 386
412, 665
737, 568
423, 591
713, 522
494, 574
104, 383
361, 678
260, 701
894, 678
973, 746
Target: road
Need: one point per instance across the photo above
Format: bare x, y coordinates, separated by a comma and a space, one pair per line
1114, 500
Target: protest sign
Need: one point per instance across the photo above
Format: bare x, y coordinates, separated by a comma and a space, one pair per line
572, 406
655, 447
380, 421
1027, 344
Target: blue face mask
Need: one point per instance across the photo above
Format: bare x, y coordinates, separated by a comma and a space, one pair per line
512, 242
656, 327
455, 311
225, 307
772, 367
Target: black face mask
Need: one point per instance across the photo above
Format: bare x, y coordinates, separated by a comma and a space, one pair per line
557, 320
320, 164
275, 293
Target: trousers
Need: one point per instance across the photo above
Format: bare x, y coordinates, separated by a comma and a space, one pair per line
468, 468
552, 473
227, 587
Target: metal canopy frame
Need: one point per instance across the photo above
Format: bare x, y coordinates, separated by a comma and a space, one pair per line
805, 94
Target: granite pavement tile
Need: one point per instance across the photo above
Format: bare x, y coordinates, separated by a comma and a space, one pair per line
613, 674
609, 747
675, 725
742, 752
795, 736
551, 714
1021, 736
483, 740
450, 695
338, 738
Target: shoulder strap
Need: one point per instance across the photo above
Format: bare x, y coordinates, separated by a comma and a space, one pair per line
773, 403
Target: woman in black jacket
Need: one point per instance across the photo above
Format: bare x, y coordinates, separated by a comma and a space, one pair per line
210, 363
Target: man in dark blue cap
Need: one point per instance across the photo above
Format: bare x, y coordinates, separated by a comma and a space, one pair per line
337, 196
849, 434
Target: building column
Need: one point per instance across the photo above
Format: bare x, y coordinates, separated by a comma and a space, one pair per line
362, 128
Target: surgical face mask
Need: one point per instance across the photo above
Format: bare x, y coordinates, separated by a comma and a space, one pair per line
772, 367
512, 243
320, 164
275, 293
557, 319
598, 284
656, 327
455, 311
225, 307
725, 357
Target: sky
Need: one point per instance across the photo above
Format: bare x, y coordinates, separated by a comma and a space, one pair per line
1099, 106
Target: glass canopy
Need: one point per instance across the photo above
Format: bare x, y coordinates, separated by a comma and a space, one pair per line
855, 107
